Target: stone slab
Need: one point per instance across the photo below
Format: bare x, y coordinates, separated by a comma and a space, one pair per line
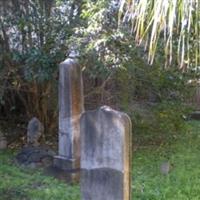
66, 164
105, 155
102, 184
71, 106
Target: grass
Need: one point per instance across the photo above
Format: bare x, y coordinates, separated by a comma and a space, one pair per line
26, 184
182, 182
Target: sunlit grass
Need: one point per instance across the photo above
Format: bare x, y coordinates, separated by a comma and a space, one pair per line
182, 182
18, 183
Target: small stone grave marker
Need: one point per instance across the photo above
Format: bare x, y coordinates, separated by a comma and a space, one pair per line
3, 142
35, 130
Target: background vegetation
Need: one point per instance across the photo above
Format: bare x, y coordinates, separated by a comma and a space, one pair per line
173, 24
37, 35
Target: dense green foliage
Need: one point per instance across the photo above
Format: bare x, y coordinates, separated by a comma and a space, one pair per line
124, 77
116, 72
33, 40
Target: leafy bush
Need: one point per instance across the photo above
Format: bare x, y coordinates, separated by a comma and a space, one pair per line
33, 38
116, 72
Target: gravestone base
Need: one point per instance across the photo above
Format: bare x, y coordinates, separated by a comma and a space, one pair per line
64, 163
105, 183
69, 167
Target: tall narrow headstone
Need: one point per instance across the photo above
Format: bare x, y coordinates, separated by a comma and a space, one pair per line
71, 107
105, 155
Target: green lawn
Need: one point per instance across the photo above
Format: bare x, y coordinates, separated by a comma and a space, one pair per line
182, 183
23, 184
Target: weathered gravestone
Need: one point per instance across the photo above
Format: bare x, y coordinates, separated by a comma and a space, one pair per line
33, 154
35, 130
3, 142
105, 155
70, 110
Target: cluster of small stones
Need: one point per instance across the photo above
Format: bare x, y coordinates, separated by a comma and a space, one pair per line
35, 157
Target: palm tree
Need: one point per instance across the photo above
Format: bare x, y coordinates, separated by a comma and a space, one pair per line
175, 23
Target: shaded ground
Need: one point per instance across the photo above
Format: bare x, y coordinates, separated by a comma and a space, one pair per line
26, 184
182, 182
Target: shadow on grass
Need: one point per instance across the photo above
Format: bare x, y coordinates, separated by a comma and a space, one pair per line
13, 194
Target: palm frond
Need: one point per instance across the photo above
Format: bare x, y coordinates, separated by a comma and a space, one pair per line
177, 22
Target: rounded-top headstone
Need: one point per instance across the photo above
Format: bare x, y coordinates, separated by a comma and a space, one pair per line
34, 131
105, 155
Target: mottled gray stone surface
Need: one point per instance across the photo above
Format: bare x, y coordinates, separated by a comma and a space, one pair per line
34, 131
71, 106
105, 155
3, 142
165, 168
